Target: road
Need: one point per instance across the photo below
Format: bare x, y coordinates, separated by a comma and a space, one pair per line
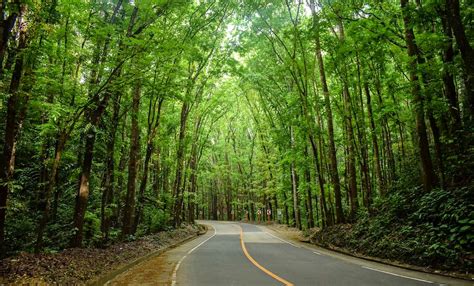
244, 254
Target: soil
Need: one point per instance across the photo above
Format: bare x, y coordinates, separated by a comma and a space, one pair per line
82, 265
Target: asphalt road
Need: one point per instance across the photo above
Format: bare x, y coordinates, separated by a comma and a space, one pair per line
244, 254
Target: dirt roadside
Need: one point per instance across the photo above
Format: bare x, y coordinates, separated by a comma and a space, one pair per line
88, 265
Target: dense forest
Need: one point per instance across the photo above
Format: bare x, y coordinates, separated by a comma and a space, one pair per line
121, 118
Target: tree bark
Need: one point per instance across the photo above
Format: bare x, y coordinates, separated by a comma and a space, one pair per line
448, 78
351, 164
49, 190
16, 109
428, 176
129, 210
177, 186
467, 52
376, 152
332, 146
154, 124
352, 176
309, 196
6, 27
109, 176
294, 187
228, 189
83, 192
94, 115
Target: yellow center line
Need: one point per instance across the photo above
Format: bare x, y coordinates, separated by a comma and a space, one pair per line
266, 271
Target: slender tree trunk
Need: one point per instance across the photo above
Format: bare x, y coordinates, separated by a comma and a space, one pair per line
49, 190
94, 114
152, 130
428, 176
309, 197
121, 174
351, 164
6, 27
448, 78
192, 189
332, 146
325, 218
352, 176
294, 186
467, 52
363, 145
214, 202
83, 192
287, 212
376, 152
177, 187
16, 111
109, 176
157, 179
426, 79
228, 189
129, 210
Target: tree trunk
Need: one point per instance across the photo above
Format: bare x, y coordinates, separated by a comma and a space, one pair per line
376, 153
83, 192
294, 187
351, 165
49, 190
428, 176
121, 170
467, 53
363, 145
192, 186
129, 210
228, 189
332, 146
448, 78
109, 176
6, 27
326, 219
94, 114
16, 111
177, 187
352, 176
309, 197
152, 130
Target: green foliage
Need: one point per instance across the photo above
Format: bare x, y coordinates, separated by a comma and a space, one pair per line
92, 234
156, 220
217, 109
433, 229
21, 229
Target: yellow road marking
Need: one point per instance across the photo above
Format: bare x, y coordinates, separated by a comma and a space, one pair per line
266, 271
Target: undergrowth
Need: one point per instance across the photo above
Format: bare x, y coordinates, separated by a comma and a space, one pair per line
434, 229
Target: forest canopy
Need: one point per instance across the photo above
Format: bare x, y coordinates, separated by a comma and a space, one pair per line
121, 118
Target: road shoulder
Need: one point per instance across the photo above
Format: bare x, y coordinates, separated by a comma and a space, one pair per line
121, 275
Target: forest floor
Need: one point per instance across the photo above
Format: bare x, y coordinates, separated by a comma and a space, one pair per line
331, 242
83, 265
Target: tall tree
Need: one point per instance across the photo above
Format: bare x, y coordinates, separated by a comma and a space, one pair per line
428, 175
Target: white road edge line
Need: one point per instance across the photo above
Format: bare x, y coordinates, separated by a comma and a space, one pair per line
315, 252
297, 246
175, 270
407, 277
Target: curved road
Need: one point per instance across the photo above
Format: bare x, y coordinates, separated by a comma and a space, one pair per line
233, 253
